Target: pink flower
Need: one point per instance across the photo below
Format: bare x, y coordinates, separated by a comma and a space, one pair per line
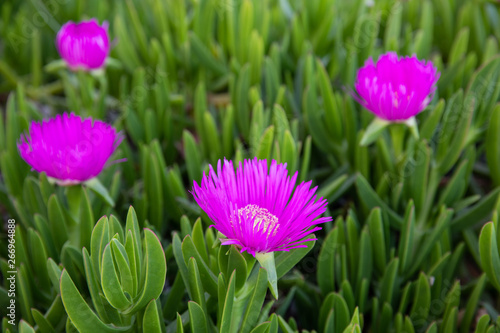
396, 89
68, 148
83, 45
259, 209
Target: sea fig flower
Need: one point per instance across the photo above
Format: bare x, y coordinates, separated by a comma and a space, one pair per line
394, 89
68, 148
259, 209
83, 45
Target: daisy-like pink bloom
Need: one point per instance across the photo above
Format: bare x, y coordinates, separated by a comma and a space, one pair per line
83, 45
396, 89
69, 149
259, 209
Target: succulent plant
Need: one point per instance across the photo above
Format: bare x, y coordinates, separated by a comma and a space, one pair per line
410, 239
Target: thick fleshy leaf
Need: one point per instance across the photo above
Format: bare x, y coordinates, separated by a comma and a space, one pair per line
263, 150
422, 300
98, 188
133, 246
105, 311
472, 304
489, 252
84, 319
326, 261
192, 155
442, 223
152, 320
99, 239
286, 260
153, 275
197, 291
43, 324
255, 302
261, 328
376, 231
493, 145
372, 200
120, 257
197, 318
238, 265
341, 316
389, 281
111, 282
57, 222
478, 212
405, 249
227, 311
373, 131
199, 240
207, 277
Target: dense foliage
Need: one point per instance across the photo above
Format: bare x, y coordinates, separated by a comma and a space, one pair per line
415, 242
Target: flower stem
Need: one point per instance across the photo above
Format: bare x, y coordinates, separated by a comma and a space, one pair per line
397, 136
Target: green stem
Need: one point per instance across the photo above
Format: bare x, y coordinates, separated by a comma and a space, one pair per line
73, 195
103, 89
85, 83
397, 135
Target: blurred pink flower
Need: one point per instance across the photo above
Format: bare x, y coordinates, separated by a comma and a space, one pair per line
83, 45
259, 209
396, 89
68, 148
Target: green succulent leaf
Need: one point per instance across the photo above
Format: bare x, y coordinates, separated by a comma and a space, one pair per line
255, 302
111, 282
489, 252
152, 320
153, 275
373, 131
227, 311
198, 293
198, 321
372, 200
82, 317
207, 277
98, 188
422, 301
493, 145
326, 262
478, 212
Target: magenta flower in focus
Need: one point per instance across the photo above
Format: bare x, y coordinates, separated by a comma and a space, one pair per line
83, 45
259, 209
69, 149
396, 89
